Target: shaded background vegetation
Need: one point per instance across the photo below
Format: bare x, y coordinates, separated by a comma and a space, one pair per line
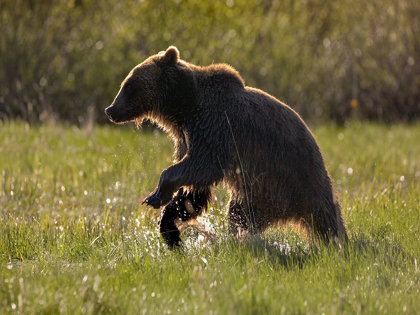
64, 60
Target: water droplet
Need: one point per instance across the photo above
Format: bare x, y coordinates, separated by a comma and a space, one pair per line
230, 3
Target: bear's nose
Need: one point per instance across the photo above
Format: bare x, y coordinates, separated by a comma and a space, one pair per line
108, 111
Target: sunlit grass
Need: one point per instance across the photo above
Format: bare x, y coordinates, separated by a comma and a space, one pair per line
75, 239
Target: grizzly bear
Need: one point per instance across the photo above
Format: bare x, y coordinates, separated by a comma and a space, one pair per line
227, 132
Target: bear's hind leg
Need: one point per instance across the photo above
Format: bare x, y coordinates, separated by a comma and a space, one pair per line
328, 226
238, 222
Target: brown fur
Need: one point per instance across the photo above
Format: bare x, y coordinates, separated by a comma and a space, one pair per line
224, 131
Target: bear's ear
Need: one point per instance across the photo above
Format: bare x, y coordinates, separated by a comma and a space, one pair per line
171, 55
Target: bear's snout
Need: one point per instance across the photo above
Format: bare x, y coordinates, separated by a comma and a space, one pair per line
110, 112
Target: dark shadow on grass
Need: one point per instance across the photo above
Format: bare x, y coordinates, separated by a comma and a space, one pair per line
381, 243
290, 251
274, 252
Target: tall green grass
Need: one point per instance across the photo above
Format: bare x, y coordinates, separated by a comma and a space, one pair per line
74, 238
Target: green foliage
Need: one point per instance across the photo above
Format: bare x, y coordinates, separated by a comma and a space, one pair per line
66, 59
74, 238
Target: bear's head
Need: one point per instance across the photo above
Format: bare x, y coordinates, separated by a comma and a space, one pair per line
151, 87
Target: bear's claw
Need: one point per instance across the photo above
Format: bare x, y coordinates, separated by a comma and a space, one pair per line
153, 200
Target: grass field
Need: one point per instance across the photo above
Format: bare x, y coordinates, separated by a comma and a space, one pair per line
74, 238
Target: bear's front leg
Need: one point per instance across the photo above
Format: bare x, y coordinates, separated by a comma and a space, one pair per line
184, 207
167, 227
196, 171
157, 199
163, 192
